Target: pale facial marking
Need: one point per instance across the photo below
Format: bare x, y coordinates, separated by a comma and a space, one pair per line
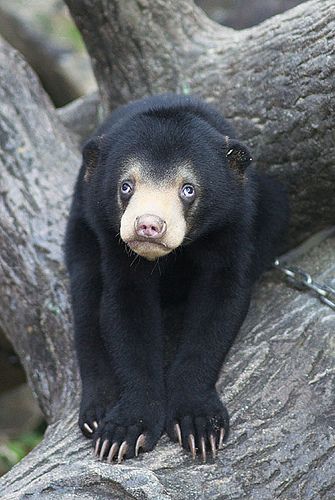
162, 201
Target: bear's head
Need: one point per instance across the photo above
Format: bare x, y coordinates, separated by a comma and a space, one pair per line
161, 179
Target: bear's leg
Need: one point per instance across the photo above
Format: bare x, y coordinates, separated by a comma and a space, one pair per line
195, 416
99, 386
132, 332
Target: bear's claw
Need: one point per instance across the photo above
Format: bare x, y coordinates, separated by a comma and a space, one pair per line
198, 440
178, 434
221, 438
97, 445
203, 449
139, 443
213, 445
88, 428
122, 451
202, 444
103, 449
112, 452
191, 444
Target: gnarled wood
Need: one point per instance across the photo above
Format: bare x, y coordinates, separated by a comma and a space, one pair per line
82, 116
38, 165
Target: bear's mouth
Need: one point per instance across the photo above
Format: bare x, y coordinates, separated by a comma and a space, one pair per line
148, 248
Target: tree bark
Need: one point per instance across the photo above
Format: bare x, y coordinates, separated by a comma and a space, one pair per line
240, 14
38, 165
279, 376
82, 116
274, 81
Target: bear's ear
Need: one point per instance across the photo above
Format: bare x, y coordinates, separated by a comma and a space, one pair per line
91, 152
238, 155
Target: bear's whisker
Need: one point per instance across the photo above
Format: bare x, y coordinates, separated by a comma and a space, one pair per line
134, 260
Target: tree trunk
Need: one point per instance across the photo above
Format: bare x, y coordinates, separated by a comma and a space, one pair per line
38, 165
240, 14
274, 81
277, 380
82, 116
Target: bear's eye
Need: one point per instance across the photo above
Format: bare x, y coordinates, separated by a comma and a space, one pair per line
187, 192
126, 189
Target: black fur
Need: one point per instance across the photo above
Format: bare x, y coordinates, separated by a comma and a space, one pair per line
188, 308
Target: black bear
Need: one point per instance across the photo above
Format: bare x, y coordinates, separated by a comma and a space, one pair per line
170, 227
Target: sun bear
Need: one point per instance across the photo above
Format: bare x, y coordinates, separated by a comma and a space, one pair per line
170, 227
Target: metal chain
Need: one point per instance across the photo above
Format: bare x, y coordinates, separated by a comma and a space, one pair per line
302, 280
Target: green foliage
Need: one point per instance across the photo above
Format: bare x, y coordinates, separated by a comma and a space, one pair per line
61, 26
13, 451
73, 34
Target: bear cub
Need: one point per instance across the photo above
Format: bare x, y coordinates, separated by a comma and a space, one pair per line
170, 227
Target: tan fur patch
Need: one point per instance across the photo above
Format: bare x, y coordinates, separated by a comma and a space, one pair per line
162, 200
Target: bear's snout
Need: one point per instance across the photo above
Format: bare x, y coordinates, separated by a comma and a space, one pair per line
150, 226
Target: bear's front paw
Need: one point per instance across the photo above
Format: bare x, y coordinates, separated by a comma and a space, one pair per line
132, 425
95, 403
199, 422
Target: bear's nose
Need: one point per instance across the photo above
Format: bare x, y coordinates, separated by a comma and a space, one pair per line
150, 226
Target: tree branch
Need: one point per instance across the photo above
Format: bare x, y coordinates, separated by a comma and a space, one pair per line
82, 116
38, 165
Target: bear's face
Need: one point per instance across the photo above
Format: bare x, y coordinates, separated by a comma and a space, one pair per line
156, 213
163, 184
